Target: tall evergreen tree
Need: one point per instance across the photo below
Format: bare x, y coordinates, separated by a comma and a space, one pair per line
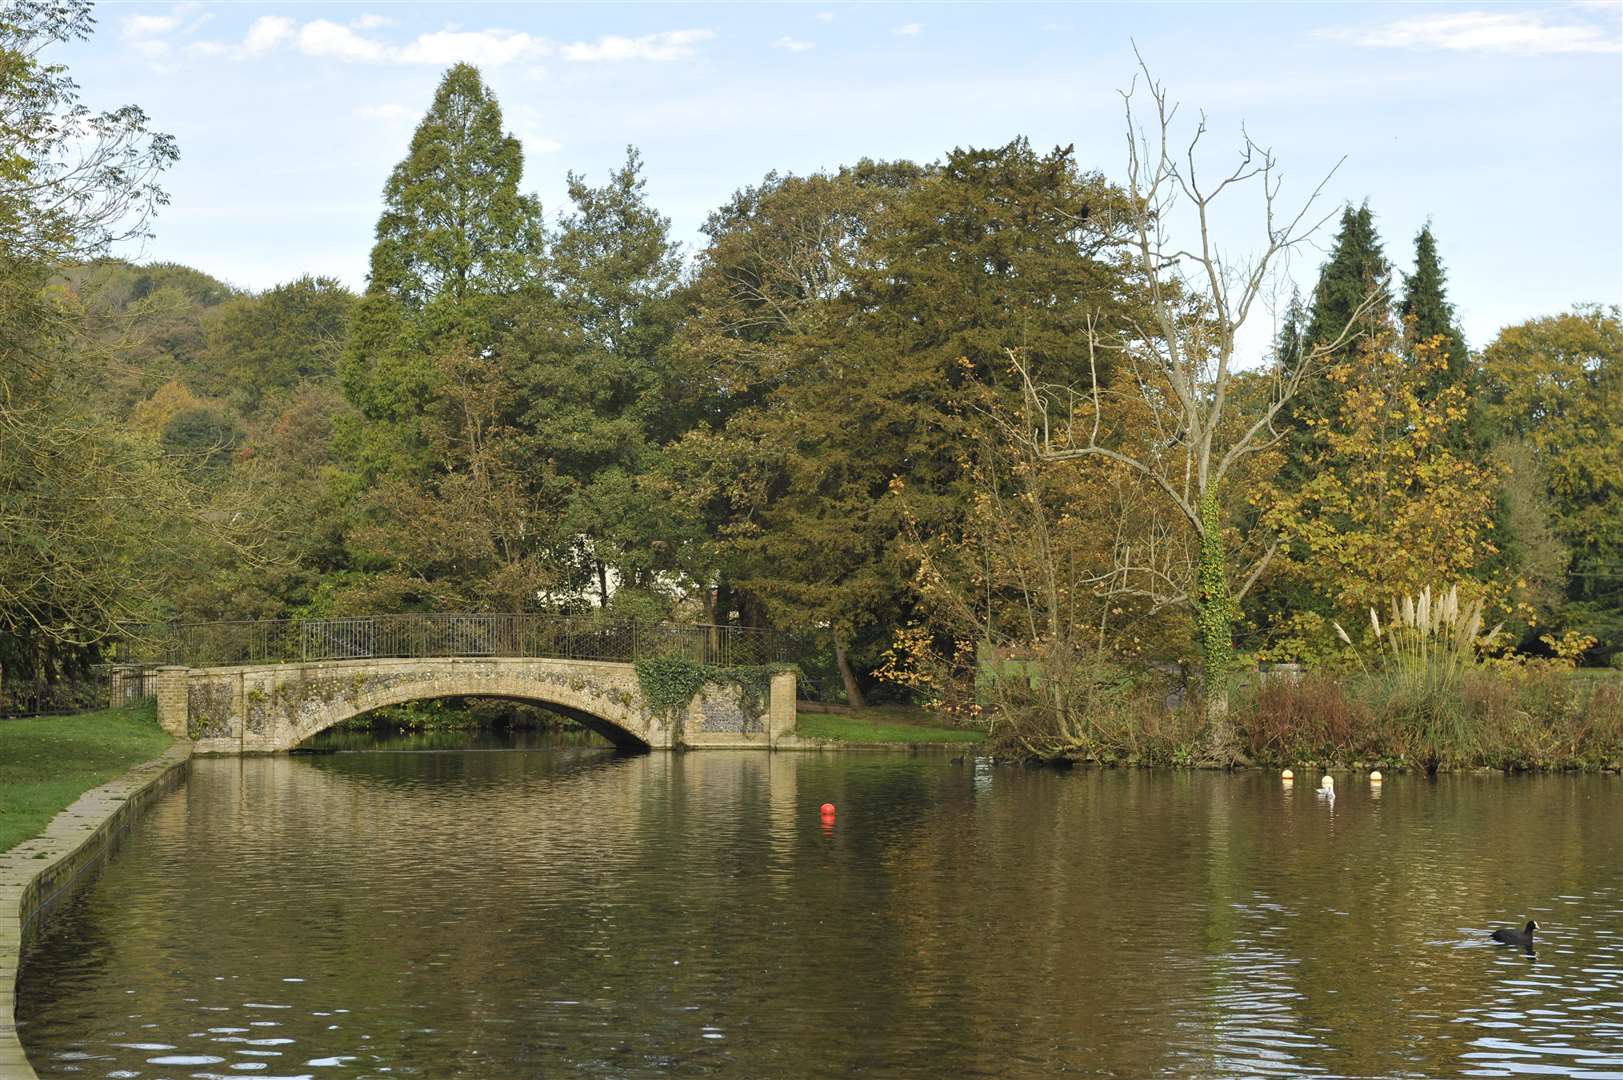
435, 447
1356, 266
1426, 312
1291, 341
454, 222
456, 239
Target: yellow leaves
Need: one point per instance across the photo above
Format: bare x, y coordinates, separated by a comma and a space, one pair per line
1569, 647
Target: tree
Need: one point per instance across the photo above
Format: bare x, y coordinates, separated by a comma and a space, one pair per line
457, 244
72, 181
455, 225
1290, 342
77, 539
1390, 505
770, 289
473, 534
1183, 356
1427, 314
456, 240
1556, 384
592, 355
1356, 268
265, 345
857, 309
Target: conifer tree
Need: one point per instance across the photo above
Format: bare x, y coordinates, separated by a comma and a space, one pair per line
1426, 312
456, 238
1289, 344
454, 222
1356, 266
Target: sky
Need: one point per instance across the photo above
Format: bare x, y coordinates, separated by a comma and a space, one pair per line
1500, 124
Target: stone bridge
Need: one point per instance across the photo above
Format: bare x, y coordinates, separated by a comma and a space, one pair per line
271, 708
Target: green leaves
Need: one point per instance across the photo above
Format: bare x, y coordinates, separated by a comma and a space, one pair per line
1555, 386
455, 223
1427, 314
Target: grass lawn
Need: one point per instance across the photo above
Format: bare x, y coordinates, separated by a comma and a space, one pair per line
899, 724
49, 761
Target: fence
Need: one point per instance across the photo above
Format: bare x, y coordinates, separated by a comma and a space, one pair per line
130, 684
566, 637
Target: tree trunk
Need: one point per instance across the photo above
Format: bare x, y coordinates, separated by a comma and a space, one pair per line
1214, 616
603, 585
853, 692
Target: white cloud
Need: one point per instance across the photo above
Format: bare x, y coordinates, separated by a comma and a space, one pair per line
141, 26
492, 48
151, 49
669, 45
487, 48
323, 38
1485, 31
911, 29
267, 32
540, 144
792, 44
825, 16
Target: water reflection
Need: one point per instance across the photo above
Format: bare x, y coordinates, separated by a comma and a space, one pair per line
571, 911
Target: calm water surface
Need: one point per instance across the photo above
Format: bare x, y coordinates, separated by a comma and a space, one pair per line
567, 912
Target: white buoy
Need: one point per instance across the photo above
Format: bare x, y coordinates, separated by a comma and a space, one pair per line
1375, 776
1328, 784
1287, 775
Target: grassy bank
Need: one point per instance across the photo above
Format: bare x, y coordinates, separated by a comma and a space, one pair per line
880, 725
48, 762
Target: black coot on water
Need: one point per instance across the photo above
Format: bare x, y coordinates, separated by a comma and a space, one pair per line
1523, 937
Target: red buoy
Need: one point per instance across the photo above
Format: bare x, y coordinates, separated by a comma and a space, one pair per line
827, 809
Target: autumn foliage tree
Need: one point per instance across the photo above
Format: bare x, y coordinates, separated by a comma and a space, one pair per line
1390, 505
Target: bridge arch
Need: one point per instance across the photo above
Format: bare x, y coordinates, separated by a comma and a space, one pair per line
623, 733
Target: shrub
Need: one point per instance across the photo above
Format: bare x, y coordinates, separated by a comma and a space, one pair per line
1312, 718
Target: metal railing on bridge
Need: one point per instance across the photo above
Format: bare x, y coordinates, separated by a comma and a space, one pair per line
564, 637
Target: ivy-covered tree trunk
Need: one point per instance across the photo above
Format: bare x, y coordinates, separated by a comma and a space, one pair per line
1214, 615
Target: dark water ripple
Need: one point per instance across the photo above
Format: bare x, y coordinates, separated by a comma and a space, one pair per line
567, 912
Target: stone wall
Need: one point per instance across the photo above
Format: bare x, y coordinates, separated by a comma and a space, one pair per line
38, 873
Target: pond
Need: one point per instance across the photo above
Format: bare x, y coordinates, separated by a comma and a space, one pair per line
562, 910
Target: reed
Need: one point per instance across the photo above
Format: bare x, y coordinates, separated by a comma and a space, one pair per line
1428, 642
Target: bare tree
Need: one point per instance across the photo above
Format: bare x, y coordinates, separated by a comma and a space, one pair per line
1182, 359
75, 181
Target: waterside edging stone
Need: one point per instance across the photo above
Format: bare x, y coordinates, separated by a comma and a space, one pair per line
37, 873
